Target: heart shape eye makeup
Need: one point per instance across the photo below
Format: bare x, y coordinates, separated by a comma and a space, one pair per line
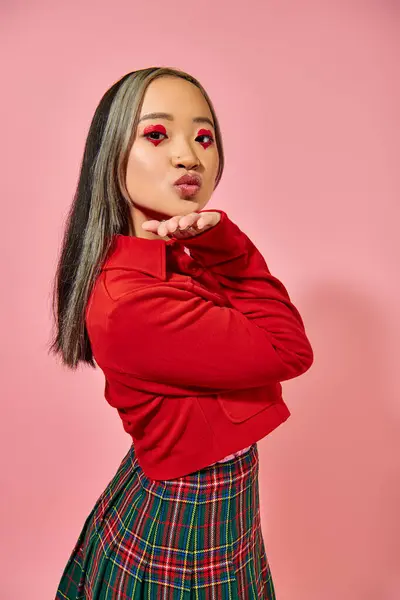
154, 129
206, 133
157, 130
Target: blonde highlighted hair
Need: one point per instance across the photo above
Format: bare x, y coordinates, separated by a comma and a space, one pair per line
100, 208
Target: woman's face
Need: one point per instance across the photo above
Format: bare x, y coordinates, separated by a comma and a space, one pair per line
175, 137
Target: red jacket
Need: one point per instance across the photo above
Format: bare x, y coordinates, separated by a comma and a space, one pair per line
193, 348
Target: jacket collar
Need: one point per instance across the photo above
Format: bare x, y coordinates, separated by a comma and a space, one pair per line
141, 254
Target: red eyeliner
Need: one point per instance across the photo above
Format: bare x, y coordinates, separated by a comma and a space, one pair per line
208, 133
155, 129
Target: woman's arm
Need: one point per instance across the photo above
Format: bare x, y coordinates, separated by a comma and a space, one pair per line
240, 268
175, 333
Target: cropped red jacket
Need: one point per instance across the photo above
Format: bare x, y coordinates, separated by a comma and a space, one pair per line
194, 347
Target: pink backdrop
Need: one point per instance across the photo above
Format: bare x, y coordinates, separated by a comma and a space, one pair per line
308, 96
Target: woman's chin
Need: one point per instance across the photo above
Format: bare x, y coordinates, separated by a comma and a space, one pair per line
188, 205
195, 203
182, 206
190, 201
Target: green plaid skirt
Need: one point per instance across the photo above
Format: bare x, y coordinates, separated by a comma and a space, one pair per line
197, 537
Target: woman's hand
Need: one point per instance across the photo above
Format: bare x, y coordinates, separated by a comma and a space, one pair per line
182, 227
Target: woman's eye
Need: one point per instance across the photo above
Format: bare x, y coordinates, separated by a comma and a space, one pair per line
154, 135
205, 133
205, 136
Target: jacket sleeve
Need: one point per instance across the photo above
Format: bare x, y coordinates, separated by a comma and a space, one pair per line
242, 272
167, 332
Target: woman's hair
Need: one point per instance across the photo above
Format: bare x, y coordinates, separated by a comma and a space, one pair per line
101, 207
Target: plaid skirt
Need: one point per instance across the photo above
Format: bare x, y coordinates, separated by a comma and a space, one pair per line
197, 537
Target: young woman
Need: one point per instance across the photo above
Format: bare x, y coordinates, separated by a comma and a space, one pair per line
194, 335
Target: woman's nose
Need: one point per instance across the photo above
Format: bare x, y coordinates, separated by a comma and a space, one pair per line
185, 157
188, 163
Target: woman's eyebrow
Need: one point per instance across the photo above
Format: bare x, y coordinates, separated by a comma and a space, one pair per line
169, 117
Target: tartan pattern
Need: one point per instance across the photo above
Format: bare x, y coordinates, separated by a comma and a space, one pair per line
197, 537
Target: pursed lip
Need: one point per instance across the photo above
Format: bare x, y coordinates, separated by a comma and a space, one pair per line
189, 180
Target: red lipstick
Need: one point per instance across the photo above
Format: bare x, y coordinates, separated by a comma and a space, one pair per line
188, 185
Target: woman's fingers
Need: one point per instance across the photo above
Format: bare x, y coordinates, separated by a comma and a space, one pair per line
188, 220
178, 224
150, 225
172, 224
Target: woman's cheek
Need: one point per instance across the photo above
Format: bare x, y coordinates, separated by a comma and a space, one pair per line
141, 161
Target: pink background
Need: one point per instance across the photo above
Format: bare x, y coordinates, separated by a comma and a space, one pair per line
308, 98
